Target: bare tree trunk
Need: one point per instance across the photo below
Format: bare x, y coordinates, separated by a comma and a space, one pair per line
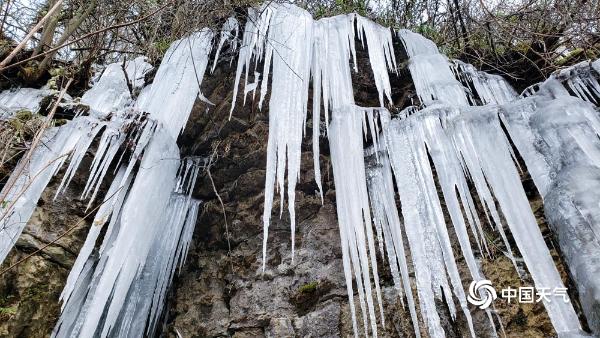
30, 34
461, 21
454, 28
74, 23
8, 3
47, 32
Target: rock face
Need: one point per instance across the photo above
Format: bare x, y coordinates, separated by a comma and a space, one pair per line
29, 292
221, 290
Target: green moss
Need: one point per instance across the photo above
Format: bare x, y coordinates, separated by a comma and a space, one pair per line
11, 310
569, 57
22, 124
36, 293
162, 45
59, 122
59, 71
308, 287
24, 115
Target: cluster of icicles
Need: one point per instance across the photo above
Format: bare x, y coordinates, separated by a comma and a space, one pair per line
466, 143
142, 229
117, 288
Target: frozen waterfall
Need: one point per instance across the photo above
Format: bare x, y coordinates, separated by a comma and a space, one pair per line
142, 228
397, 174
459, 130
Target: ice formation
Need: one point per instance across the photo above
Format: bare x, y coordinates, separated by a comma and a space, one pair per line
229, 33
297, 48
431, 71
389, 227
113, 91
488, 87
354, 216
146, 219
29, 99
558, 140
437, 154
457, 137
582, 79
177, 82
120, 290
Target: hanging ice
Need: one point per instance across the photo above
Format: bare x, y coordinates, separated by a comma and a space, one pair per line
117, 287
425, 227
431, 71
479, 139
120, 290
287, 39
487, 87
331, 50
229, 32
29, 99
381, 54
558, 139
68, 142
385, 217
111, 92
177, 82
582, 79
354, 216
139, 254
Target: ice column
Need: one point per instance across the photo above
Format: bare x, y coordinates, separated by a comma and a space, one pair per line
119, 288
558, 140
354, 216
431, 72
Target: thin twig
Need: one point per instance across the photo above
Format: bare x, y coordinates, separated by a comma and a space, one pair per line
210, 162
23, 42
85, 36
36, 140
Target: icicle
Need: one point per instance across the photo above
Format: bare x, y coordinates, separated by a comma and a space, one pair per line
425, 222
582, 79
558, 140
114, 196
475, 133
121, 290
253, 40
22, 199
71, 139
431, 71
322, 49
381, 54
354, 217
70, 142
229, 32
131, 276
383, 205
333, 47
489, 88
140, 220
110, 93
291, 64
177, 81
